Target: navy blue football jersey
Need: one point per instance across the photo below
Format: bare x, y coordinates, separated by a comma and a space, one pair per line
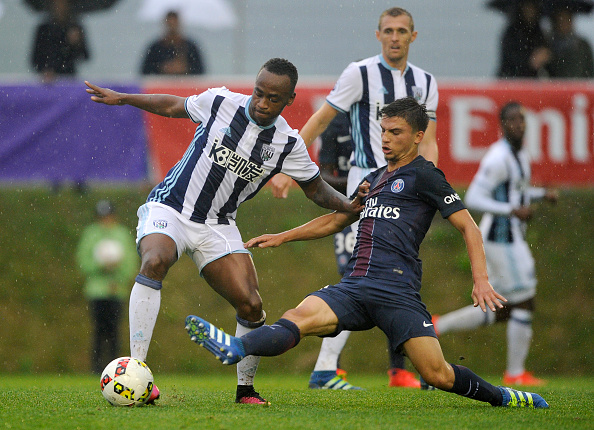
397, 215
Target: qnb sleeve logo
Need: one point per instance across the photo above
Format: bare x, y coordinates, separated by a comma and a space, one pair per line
372, 210
451, 198
234, 162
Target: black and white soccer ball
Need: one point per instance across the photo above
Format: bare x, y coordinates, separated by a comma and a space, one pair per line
127, 381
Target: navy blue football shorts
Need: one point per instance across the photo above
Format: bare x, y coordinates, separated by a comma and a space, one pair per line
362, 303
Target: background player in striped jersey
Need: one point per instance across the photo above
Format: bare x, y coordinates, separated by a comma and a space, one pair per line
501, 190
362, 89
240, 143
382, 283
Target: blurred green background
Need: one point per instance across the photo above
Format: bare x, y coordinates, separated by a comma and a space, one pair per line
45, 322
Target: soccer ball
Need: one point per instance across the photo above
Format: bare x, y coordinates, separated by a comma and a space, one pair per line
127, 381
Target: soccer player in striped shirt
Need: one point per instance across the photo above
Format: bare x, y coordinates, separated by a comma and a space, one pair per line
362, 90
240, 142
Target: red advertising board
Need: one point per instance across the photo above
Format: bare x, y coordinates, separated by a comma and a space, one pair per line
559, 136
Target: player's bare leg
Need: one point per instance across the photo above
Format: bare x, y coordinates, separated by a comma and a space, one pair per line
234, 278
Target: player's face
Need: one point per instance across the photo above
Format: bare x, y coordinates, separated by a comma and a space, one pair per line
395, 35
399, 142
271, 94
514, 126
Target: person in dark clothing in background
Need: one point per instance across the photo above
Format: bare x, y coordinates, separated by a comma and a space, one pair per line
173, 54
59, 43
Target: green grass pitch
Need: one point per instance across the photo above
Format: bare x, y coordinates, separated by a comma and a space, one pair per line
206, 402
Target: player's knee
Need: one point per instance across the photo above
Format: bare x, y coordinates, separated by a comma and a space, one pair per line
250, 308
439, 377
155, 265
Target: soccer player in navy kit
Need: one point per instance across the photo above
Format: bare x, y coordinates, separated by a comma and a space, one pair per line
240, 142
363, 88
381, 286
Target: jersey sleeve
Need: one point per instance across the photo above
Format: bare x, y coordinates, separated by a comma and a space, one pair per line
432, 99
433, 188
348, 89
299, 165
492, 172
198, 106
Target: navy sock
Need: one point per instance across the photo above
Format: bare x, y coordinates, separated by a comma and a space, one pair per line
469, 384
271, 340
396, 360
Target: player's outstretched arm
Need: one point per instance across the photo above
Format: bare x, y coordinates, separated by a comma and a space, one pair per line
160, 104
483, 294
315, 229
322, 194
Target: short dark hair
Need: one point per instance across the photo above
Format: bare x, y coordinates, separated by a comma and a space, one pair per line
282, 67
410, 110
396, 11
172, 14
506, 108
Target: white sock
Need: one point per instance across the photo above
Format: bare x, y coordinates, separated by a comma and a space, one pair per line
466, 318
330, 350
246, 368
519, 336
144, 308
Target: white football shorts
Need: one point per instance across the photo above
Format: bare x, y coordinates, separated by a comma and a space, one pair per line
204, 243
511, 270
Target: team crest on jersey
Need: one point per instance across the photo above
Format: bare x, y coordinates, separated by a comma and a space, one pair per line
417, 93
266, 152
397, 186
160, 223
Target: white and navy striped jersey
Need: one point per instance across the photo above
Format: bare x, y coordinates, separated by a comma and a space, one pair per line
364, 88
501, 184
229, 159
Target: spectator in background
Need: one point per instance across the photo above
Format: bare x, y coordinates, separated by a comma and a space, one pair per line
572, 54
524, 49
107, 257
173, 54
59, 43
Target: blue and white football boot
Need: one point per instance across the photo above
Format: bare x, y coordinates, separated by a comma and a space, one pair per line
226, 348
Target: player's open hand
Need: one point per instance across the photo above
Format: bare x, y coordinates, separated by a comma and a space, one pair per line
485, 296
280, 184
103, 95
265, 241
